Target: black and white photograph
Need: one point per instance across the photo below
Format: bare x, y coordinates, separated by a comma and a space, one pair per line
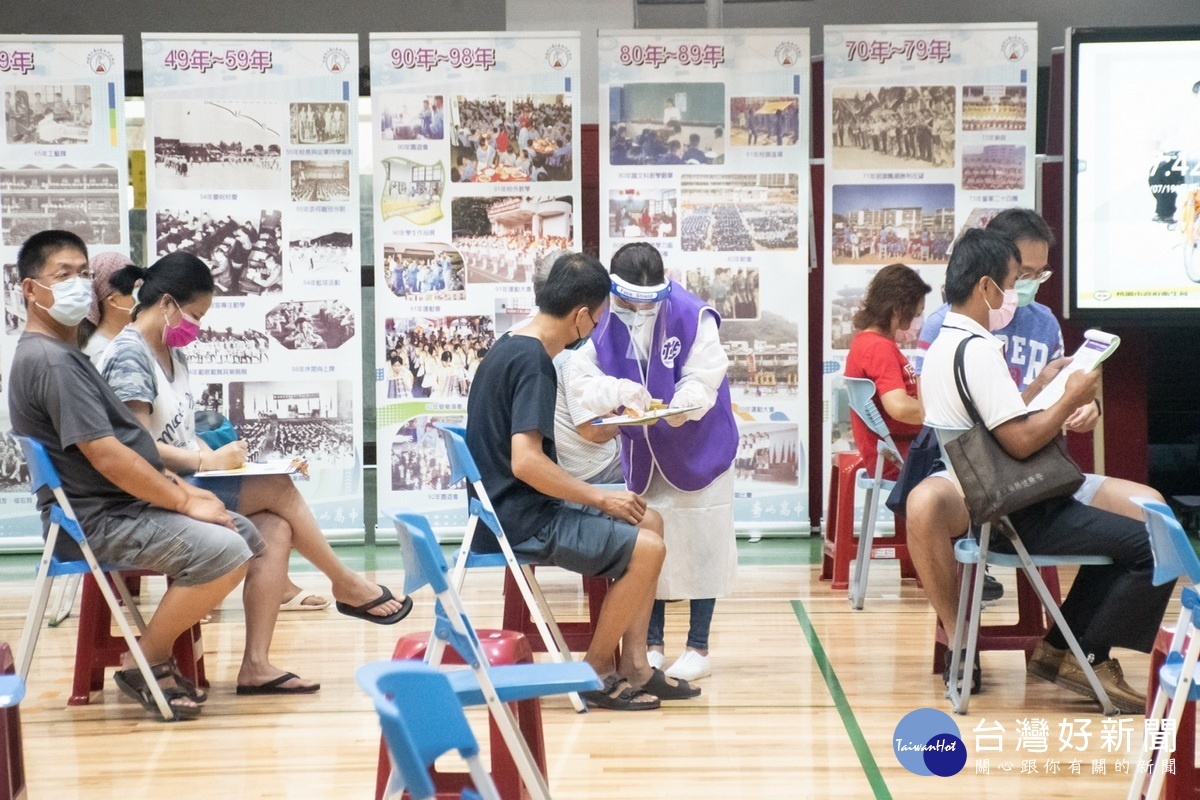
768, 452
643, 213
503, 238
316, 251
48, 114
434, 356
993, 167
325, 181
15, 312
419, 460
212, 398
764, 121
311, 324
670, 124
14, 473
731, 290
308, 419
424, 271
411, 117
511, 138
217, 144
412, 190
994, 108
883, 223
228, 346
893, 126
318, 123
739, 213
241, 247
85, 201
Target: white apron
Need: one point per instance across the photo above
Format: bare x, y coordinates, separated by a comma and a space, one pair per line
698, 530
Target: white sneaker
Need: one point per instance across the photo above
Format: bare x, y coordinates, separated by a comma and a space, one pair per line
655, 658
690, 666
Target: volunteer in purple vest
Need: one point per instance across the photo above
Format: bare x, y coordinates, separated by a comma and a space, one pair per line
660, 341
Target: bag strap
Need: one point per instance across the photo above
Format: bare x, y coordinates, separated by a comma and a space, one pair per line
960, 380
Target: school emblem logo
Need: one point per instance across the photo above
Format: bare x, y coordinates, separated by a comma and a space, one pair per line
1101, 296
787, 54
1014, 48
670, 351
101, 62
336, 60
558, 56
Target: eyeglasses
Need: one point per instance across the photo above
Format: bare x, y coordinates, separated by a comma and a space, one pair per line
1040, 277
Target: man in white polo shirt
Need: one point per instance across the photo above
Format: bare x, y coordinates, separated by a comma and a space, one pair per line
1108, 606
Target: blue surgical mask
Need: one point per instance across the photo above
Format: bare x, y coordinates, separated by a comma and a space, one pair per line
1026, 289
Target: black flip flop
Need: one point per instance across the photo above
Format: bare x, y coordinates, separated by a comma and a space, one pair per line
133, 684
658, 686
626, 700
364, 611
276, 686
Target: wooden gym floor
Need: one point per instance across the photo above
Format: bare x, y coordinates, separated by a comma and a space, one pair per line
803, 702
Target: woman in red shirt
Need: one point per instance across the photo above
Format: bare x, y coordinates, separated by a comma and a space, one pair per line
890, 312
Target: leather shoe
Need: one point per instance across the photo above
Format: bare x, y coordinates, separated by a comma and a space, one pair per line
1112, 678
1046, 661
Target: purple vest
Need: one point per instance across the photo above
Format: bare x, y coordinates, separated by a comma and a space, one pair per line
696, 453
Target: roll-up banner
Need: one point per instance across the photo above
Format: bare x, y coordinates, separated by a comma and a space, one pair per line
252, 166
704, 154
63, 165
474, 181
929, 130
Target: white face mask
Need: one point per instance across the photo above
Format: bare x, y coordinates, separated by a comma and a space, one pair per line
72, 300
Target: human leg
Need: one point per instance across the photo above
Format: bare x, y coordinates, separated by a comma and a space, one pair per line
693, 664
278, 495
655, 641
265, 581
1116, 495
936, 515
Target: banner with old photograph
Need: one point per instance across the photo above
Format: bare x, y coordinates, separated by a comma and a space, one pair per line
707, 159
62, 165
474, 181
929, 130
252, 166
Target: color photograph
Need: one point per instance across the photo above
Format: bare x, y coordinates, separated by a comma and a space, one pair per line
739, 213
511, 139
882, 223
893, 126
503, 238
670, 124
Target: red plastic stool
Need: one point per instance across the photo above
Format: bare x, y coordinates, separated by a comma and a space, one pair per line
1033, 623
12, 773
96, 648
578, 635
1184, 784
841, 544
500, 647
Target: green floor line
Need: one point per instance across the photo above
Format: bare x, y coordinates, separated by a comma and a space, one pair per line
874, 777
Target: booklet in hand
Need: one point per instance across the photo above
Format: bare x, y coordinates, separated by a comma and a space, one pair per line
1097, 346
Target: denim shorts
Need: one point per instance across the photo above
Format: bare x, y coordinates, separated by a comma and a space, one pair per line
227, 488
582, 540
187, 550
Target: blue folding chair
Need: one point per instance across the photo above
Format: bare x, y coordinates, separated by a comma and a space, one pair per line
421, 720
75, 557
483, 684
462, 465
862, 402
1173, 558
971, 553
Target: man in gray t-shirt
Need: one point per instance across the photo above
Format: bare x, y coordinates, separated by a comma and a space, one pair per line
134, 513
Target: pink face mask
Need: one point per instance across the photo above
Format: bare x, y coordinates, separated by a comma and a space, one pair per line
183, 333
1000, 317
910, 334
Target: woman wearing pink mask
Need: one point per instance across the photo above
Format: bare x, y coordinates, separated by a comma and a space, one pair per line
890, 313
146, 369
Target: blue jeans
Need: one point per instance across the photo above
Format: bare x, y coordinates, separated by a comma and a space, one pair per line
698, 625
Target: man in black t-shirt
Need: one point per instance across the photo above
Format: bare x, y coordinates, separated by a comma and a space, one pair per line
553, 518
134, 513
